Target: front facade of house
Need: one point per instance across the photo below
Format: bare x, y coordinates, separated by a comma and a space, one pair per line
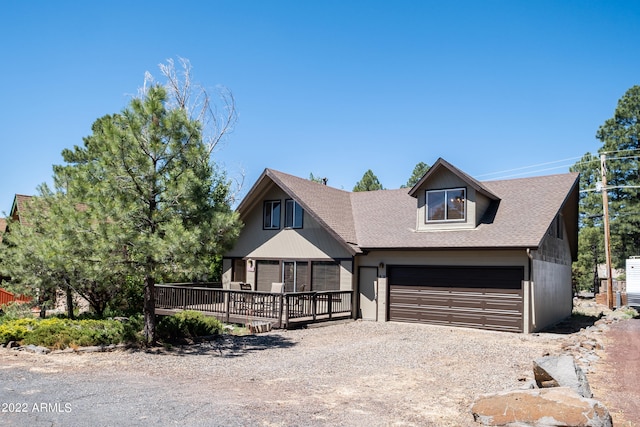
451, 250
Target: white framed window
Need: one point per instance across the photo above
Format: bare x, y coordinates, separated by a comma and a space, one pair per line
293, 214
271, 215
446, 205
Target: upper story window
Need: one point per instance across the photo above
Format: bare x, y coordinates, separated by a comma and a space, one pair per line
271, 215
293, 213
446, 205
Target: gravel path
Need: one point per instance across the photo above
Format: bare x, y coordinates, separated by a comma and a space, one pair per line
352, 374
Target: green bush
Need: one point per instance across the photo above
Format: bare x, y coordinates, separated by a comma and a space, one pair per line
16, 330
188, 324
59, 333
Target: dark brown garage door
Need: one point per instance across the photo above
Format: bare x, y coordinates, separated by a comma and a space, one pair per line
476, 297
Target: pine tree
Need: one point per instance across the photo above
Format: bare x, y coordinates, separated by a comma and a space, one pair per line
418, 172
369, 182
163, 206
620, 145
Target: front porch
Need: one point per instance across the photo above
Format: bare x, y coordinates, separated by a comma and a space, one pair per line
282, 310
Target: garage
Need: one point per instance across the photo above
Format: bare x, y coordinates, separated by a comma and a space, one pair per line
468, 296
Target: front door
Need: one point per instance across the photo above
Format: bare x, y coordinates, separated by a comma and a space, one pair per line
368, 285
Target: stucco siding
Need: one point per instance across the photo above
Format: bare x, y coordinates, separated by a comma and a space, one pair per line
552, 297
551, 293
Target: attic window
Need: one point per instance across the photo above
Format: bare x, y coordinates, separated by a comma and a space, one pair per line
271, 215
446, 205
293, 213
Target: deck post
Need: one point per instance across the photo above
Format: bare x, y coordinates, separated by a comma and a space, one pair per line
184, 298
314, 303
281, 297
227, 304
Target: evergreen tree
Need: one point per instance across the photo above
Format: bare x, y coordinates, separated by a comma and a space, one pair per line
369, 182
620, 136
418, 172
163, 207
620, 145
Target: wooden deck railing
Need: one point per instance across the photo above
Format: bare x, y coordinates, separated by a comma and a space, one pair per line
7, 297
245, 306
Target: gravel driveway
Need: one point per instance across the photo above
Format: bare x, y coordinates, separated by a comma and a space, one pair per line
351, 374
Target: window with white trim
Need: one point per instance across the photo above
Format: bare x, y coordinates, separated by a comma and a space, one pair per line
446, 205
271, 215
293, 214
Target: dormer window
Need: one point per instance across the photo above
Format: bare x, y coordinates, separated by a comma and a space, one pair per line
446, 205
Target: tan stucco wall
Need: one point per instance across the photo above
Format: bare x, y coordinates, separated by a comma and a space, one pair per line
551, 290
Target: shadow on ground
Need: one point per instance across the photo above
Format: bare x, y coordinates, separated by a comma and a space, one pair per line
227, 346
574, 323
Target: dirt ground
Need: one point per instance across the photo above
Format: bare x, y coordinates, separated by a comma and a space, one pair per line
616, 380
352, 374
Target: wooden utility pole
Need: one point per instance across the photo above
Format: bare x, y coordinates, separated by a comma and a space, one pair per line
607, 233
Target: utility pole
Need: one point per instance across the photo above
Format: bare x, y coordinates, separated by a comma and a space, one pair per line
607, 233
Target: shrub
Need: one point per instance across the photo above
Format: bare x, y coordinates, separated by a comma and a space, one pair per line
59, 333
188, 324
16, 330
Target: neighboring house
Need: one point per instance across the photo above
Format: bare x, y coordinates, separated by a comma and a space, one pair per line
19, 203
451, 250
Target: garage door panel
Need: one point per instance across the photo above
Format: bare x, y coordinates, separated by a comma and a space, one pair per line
498, 306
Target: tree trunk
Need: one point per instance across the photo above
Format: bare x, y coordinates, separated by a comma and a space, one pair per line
70, 314
149, 310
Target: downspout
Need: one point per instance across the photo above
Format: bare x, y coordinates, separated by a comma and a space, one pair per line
529, 300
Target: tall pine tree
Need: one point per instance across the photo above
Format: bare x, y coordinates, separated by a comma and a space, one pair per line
620, 145
148, 174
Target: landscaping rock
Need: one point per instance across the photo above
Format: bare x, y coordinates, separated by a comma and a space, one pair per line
559, 406
36, 349
561, 371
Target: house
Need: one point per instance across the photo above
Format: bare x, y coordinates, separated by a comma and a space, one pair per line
18, 204
451, 250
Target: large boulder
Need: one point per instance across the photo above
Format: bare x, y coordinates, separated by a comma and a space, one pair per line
561, 371
559, 406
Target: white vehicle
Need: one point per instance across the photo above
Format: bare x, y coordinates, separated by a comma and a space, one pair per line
633, 281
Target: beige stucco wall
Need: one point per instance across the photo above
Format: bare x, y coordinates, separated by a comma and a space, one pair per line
551, 290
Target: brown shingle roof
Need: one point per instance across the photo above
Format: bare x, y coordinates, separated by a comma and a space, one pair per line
387, 218
20, 203
3, 227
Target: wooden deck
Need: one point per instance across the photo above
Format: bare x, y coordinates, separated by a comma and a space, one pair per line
284, 310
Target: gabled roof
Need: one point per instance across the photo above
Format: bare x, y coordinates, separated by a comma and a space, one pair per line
329, 206
443, 164
522, 210
20, 202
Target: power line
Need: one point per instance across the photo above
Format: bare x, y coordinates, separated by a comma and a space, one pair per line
529, 167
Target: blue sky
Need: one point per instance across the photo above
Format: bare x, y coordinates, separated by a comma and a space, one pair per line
331, 88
